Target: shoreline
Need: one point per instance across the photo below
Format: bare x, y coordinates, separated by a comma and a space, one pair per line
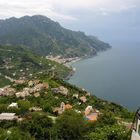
114, 100
69, 65
84, 57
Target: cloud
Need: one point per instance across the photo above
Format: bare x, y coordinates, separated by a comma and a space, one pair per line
63, 9
30, 7
112, 5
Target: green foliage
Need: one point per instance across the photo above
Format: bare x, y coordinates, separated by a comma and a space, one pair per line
39, 126
71, 126
7, 124
23, 105
3, 108
47, 108
107, 118
115, 132
14, 134
7, 100
19, 87
3, 81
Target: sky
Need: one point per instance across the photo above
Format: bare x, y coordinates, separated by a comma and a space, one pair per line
110, 20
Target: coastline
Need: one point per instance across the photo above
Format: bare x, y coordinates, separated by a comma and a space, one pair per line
100, 78
69, 64
85, 57
73, 69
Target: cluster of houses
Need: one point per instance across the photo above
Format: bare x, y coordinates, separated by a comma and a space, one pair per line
91, 114
62, 90
62, 108
7, 91
20, 81
13, 116
62, 60
34, 87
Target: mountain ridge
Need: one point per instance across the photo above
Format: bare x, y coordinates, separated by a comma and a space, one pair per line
44, 36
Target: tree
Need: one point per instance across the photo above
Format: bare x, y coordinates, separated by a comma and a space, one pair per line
14, 134
39, 126
3, 108
24, 105
114, 132
107, 118
71, 126
47, 107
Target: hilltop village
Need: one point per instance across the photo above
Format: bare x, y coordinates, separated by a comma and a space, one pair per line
37, 89
25, 102
63, 60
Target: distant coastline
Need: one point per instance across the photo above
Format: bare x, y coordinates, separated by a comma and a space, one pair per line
69, 64
68, 61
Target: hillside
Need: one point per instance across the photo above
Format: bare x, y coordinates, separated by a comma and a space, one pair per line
44, 36
35, 103
49, 108
18, 63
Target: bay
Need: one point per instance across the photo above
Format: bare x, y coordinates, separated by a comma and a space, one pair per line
113, 75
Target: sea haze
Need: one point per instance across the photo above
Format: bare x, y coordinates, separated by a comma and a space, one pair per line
113, 75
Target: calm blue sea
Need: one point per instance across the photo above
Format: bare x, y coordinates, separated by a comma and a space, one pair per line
113, 75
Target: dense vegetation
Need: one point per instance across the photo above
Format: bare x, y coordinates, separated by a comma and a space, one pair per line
44, 36
16, 62
70, 125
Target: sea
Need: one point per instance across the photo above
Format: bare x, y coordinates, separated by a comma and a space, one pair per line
113, 75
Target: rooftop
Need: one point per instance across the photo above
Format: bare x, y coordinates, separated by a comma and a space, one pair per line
8, 116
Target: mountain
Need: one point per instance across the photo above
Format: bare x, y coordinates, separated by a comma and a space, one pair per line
44, 36
18, 63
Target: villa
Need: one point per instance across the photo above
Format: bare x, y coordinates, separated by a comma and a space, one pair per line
83, 99
91, 114
13, 105
8, 116
62, 90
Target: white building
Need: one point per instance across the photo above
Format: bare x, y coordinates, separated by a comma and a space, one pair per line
13, 105
8, 116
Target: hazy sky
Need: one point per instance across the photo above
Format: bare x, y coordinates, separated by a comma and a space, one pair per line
107, 19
